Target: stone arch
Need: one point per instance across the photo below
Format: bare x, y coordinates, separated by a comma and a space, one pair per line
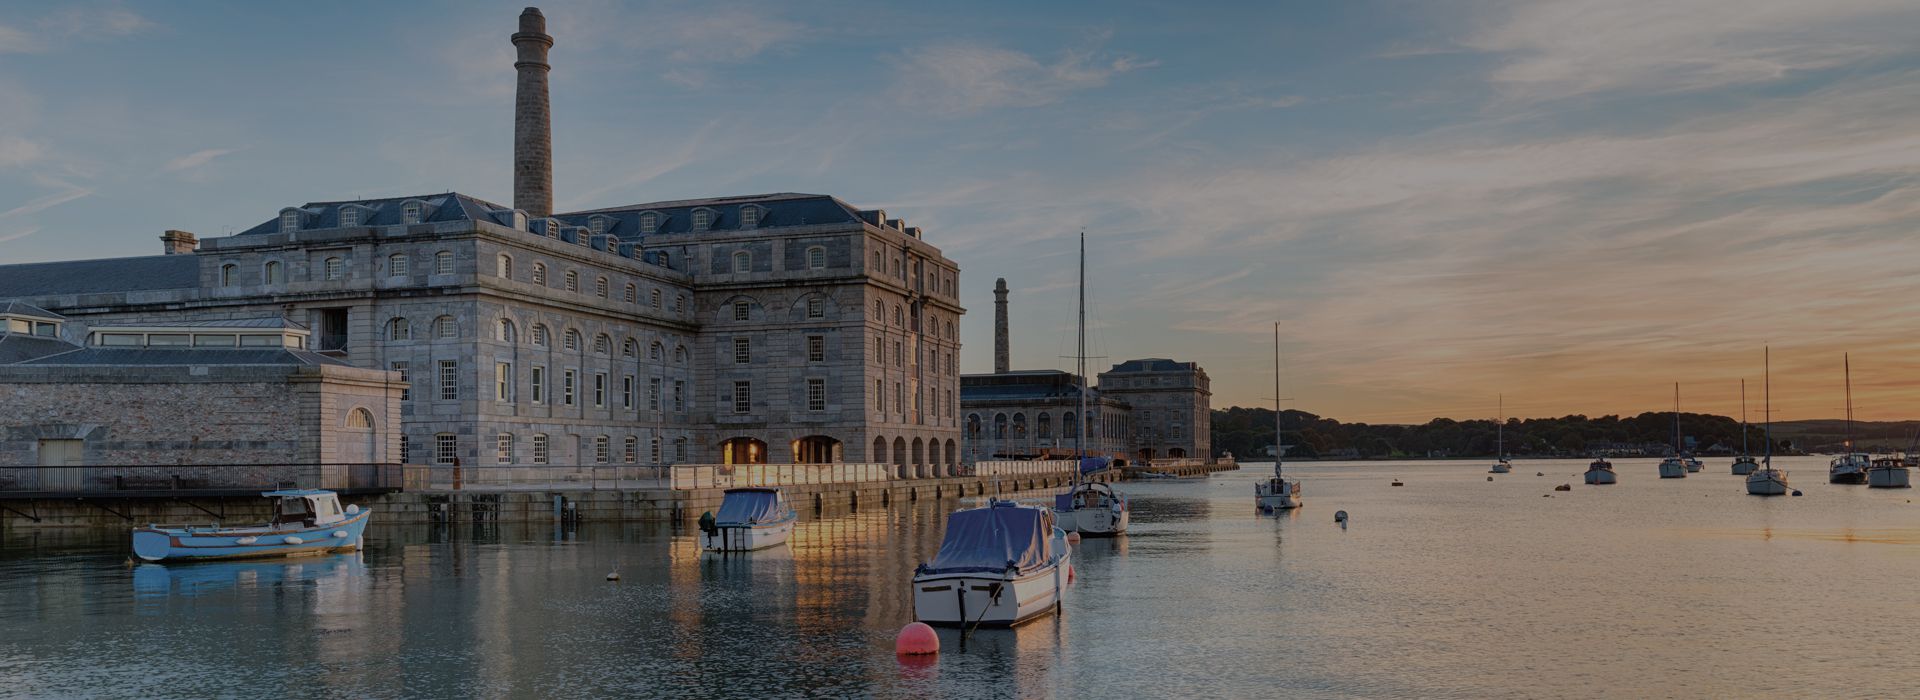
900, 458
919, 458
725, 313
952, 460
816, 449
879, 454
743, 450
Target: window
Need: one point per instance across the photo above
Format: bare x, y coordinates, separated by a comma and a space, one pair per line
879, 396
633, 294
899, 354
406, 377
632, 452
566, 387
539, 449
359, 418
649, 222
272, 273
600, 287
899, 319
503, 266
290, 221
446, 448
654, 352
503, 381
626, 391
443, 262
816, 258
397, 265
900, 398
539, 273
879, 311
679, 395
628, 348
226, 274
349, 216
879, 265
742, 262
880, 350
600, 449
702, 218
816, 348
599, 389
504, 331
1177, 430
540, 335
539, 382
444, 327
573, 281
816, 394
749, 216
449, 380
679, 354
653, 394
741, 310
571, 340
412, 213
816, 307
503, 448
334, 268
679, 302
743, 397
742, 351
597, 225
653, 298
602, 344
653, 450
406, 449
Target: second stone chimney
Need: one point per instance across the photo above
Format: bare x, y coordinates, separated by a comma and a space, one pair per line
178, 242
1002, 363
532, 120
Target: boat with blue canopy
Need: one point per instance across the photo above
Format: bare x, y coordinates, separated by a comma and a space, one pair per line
999, 565
749, 519
305, 522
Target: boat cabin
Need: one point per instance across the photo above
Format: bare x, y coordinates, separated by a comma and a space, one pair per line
753, 506
306, 507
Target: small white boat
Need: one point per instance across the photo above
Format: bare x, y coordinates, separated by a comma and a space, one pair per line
749, 519
1501, 466
1092, 509
1600, 472
1888, 473
305, 522
1693, 464
1744, 465
998, 566
1767, 481
1673, 468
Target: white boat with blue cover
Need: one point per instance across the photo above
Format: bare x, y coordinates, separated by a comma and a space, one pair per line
305, 522
999, 565
749, 519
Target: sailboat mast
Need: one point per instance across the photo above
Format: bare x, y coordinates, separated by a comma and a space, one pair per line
1676, 419
1766, 364
1846, 364
1080, 431
1743, 420
1277, 450
1500, 431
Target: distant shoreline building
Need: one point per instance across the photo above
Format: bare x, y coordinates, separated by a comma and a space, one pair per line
774, 328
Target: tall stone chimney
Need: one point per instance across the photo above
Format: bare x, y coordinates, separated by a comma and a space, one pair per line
1001, 361
179, 242
532, 119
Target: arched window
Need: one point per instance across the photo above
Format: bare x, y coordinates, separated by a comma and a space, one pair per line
628, 348
444, 327
999, 426
399, 329
879, 265
653, 297
540, 335
816, 258
360, 418
334, 268
226, 274
597, 225
503, 266
573, 281
633, 294
443, 262
656, 351
600, 445
973, 426
539, 273
600, 287
1019, 426
742, 261
1044, 426
397, 265
666, 259
272, 274
1068, 428
899, 318
505, 332
679, 354
571, 341
602, 344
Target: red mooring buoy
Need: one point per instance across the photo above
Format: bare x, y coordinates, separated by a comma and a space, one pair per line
916, 639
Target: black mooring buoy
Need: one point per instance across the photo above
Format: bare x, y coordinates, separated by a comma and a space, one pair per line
1796, 492
1340, 516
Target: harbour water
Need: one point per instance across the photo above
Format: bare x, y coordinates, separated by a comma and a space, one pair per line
1449, 586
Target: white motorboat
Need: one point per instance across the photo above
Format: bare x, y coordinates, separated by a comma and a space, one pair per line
1744, 465
1849, 468
998, 566
1093, 509
1766, 480
1888, 473
1600, 472
749, 519
1277, 493
1673, 468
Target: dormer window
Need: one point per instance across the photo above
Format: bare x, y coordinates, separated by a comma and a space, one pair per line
749, 216
289, 220
226, 274
649, 222
553, 228
413, 212
598, 225
349, 216
702, 219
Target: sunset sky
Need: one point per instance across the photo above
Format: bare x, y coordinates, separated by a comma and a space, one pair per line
1575, 203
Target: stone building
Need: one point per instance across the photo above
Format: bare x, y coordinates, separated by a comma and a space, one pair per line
764, 328
1170, 406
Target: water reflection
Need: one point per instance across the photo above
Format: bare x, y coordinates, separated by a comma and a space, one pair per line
332, 573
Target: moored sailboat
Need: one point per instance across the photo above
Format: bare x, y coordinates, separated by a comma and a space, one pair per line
1500, 463
1744, 464
1277, 492
1851, 467
1766, 480
1675, 467
999, 565
1089, 508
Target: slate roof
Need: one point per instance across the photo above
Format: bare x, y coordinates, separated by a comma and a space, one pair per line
777, 209
1152, 364
21, 308
1023, 385
447, 206
20, 347
267, 322
100, 276
154, 357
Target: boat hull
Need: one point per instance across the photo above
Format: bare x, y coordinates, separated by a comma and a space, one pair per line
1601, 477
191, 544
1847, 477
1762, 483
1501, 469
1888, 478
1270, 497
746, 538
1693, 466
992, 599
1672, 471
1744, 468
1095, 522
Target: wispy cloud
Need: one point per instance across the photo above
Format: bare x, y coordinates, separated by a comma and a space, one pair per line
961, 78
17, 235
67, 193
72, 24
195, 159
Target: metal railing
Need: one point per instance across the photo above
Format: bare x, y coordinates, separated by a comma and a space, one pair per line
544, 477
1030, 467
708, 476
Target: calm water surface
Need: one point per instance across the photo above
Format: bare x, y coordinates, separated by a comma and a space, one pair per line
1451, 586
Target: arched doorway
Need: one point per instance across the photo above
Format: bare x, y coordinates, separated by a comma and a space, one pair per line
953, 458
1146, 454
900, 459
1177, 453
816, 449
743, 450
879, 455
919, 458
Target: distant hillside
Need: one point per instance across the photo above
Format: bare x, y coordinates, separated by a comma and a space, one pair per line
1248, 432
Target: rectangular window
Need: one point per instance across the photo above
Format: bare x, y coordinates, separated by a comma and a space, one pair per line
816, 307
816, 348
626, 392
899, 354
742, 351
632, 451
1177, 430
406, 449
743, 397
679, 395
566, 387
397, 265
449, 380
601, 448
816, 394
653, 451
599, 389
680, 450
445, 448
741, 310
503, 381
406, 377
653, 394
880, 396
504, 448
539, 381
900, 399
539, 449
880, 350
443, 263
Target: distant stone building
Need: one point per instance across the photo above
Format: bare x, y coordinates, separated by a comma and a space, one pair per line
1170, 406
765, 328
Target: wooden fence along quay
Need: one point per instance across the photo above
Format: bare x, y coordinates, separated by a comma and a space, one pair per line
121, 495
